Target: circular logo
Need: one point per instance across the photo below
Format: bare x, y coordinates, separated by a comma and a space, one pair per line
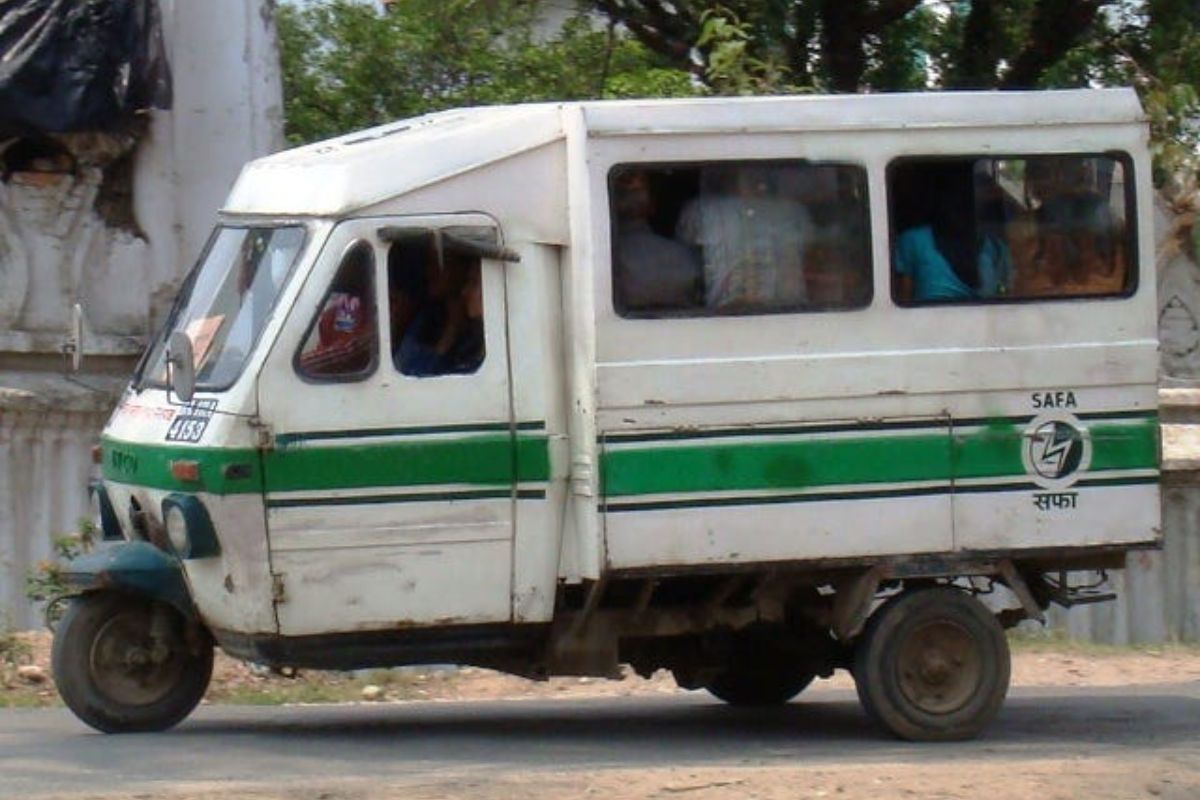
1057, 450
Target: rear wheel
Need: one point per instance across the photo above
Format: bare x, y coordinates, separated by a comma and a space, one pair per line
763, 665
759, 685
125, 664
932, 665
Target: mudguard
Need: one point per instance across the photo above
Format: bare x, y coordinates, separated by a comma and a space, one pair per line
137, 568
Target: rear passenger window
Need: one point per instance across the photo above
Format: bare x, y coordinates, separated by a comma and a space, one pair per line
996, 229
730, 238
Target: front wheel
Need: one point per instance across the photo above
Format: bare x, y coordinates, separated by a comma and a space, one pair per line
932, 665
125, 664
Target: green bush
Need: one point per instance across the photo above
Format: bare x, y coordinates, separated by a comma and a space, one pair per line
44, 583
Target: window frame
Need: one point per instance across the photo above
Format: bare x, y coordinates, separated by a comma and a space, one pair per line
863, 175
1132, 238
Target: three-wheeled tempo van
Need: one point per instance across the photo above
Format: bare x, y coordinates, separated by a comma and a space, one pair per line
745, 389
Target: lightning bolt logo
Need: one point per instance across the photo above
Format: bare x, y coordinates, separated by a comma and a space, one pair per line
1055, 447
1057, 450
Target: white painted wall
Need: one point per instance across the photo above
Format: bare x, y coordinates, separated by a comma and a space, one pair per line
55, 250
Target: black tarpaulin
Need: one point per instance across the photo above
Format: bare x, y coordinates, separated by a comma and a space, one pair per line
79, 65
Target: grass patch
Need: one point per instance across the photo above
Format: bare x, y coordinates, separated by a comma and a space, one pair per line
1034, 639
25, 699
16, 652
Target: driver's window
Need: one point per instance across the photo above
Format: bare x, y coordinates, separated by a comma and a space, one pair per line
342, 342
435, 294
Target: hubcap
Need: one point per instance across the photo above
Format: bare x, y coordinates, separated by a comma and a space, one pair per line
128, 666
940, 667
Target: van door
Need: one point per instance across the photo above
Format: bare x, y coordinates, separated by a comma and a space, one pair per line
390, 480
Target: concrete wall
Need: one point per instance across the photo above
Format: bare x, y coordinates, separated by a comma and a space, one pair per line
1158, 593
55, 249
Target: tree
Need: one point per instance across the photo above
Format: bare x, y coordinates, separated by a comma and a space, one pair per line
348, 65
759, 46
852, 45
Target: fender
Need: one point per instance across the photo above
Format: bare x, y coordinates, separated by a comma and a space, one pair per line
137, 568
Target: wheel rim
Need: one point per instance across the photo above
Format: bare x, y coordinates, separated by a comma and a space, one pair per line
940, 667
128, 666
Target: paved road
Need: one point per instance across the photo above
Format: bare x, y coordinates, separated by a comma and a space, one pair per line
49, 752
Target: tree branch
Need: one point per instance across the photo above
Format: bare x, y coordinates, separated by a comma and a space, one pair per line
978, 52
886, 12
670, 35
1057, 26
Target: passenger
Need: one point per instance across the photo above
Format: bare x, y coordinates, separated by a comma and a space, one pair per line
952, 257
445, 336
752, 239
1078, 235
650, 271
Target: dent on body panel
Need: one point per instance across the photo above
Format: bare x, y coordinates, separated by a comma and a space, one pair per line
376, 588
233, 590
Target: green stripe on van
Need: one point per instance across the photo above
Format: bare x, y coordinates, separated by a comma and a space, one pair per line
812, 462
775, 465
1125, 446
482, 459
149, 465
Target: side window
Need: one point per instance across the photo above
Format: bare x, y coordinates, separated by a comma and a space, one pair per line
969, 230
726, 238
342, 342
435, 293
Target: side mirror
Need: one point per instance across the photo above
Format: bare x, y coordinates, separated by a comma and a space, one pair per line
73, 346
181, 366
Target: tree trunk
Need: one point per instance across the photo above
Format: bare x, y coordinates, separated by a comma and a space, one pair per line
1058, 25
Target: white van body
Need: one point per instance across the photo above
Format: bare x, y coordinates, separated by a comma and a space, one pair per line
393, 518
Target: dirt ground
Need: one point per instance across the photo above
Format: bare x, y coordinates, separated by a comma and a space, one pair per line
1097, 774
1051, 779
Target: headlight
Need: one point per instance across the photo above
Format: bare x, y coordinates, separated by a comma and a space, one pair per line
189, 528
177, 530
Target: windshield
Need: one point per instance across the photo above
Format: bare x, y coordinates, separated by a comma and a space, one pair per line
225, 302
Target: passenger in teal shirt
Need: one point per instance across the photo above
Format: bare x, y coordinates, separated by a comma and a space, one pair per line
933, 278
952, 249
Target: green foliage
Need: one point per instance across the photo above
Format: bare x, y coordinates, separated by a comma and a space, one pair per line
348, 65
14, 652
44, 583
731, 69
908, 51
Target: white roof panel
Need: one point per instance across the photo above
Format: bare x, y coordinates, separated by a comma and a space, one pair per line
863, 112
367, 167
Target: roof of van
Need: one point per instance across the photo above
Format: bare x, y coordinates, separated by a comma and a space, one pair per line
360, 169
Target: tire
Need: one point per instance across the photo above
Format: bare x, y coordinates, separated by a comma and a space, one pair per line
932, 665
115, 677
759, 686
